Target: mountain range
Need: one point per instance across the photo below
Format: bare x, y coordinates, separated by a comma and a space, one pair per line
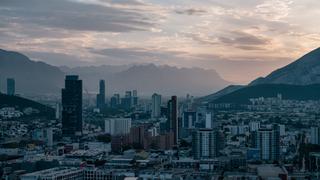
304, 71
30, 76
297, 80
34, 77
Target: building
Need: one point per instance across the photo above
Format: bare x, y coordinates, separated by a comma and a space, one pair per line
115, 101
58, 111
11, 87
172, 118
101, 97
138, 137
45, 135
189, 119
282, 129
72, 106
156, 106
117, 126
267, 140
315, 135
208, 121
49, 137
61, 173
134, 97
254, 126
127, 101
205, 144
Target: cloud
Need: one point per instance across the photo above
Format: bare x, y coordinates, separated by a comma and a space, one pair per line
245, 41
274, 10
73, 15
179, 33
191, 11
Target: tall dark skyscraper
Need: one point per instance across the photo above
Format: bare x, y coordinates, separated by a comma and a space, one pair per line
101, 97
11, 86
72, 107
172, 118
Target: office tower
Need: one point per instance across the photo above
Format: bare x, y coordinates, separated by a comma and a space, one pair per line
315, 135
11, 87
72, 106
128, 94
172, 118
267, 140
117, 126
188, 122
205, 144
127, 101
115, 100
134, 97
117, 96
101, 97
156, 106
135, 93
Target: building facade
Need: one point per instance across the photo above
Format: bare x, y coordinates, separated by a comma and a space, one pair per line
72, 106
117, 126
156, 106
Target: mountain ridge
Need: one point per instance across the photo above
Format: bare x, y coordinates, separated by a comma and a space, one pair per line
34, 77
303, 71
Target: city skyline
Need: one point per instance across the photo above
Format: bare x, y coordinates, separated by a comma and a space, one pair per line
159, 90
258, 36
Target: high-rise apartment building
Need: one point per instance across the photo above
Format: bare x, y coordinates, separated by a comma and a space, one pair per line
267, 140
117, 126
315, 135
172, 118
206, 143
101, 97
156, 106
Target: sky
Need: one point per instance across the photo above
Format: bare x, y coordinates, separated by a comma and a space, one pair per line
240, 39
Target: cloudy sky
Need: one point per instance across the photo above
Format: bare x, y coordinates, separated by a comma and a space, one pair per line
241, 39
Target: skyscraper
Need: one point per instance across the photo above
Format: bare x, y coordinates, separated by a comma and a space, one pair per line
156, 106
127, 101
205, 144
267, 140
172, 118
11, 87
315, 135
101, 97
187, 124
72, 106
134, 97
